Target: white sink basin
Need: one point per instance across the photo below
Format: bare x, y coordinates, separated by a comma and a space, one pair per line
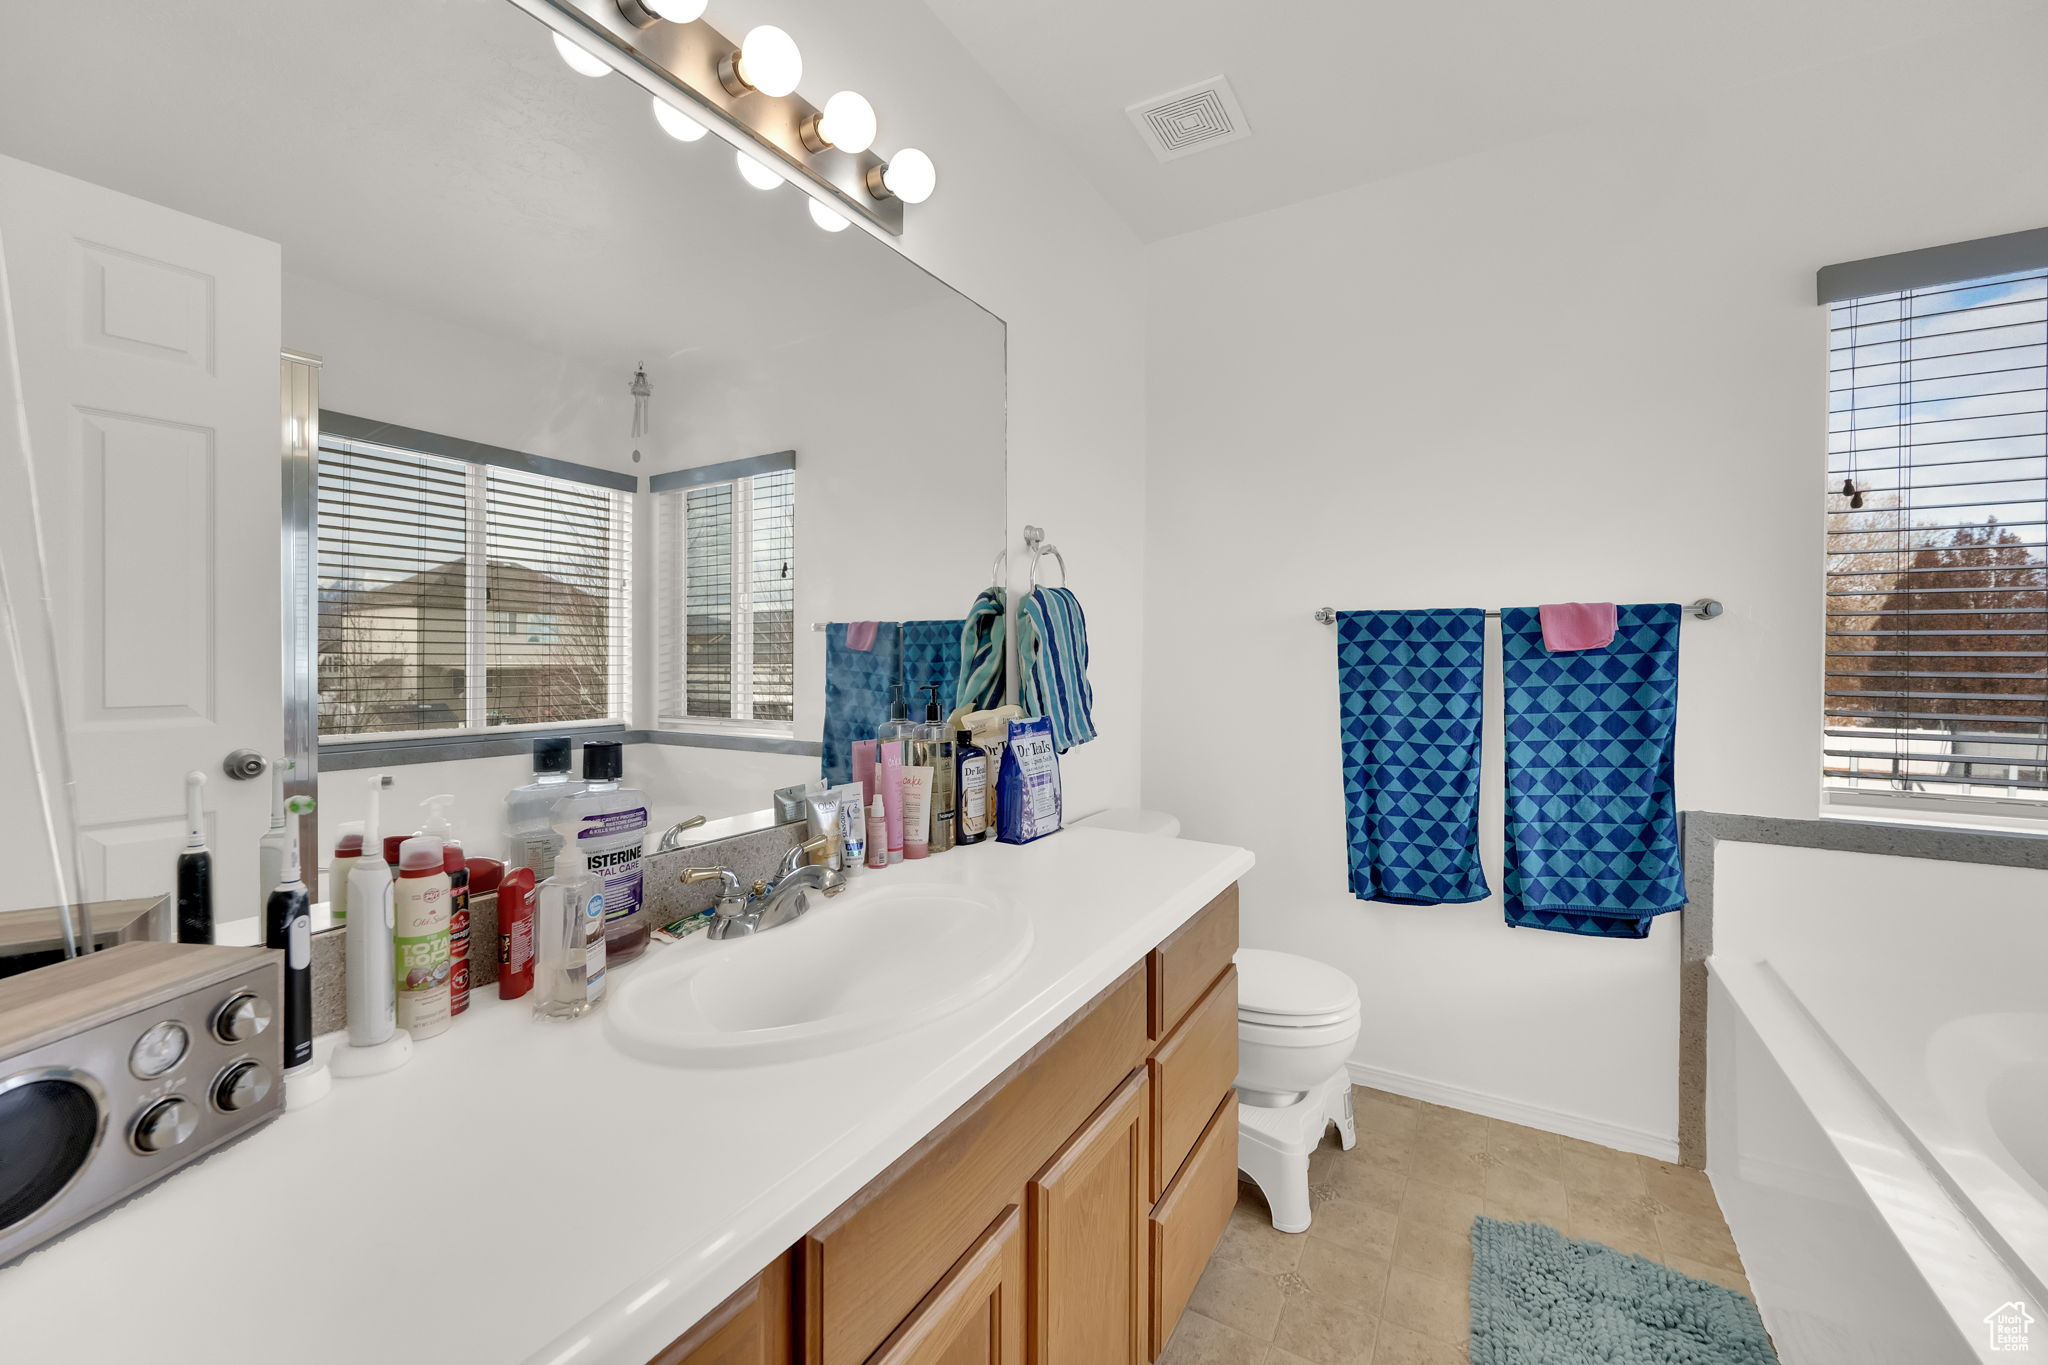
869, 963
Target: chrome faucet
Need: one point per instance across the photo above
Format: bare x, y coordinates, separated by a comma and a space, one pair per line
740, 914
673, 835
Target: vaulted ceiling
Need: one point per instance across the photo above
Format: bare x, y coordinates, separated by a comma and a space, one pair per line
1339, 92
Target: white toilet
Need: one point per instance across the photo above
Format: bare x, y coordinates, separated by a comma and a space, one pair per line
1297, 1020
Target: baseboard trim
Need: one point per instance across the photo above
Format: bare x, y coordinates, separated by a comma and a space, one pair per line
1659, 1146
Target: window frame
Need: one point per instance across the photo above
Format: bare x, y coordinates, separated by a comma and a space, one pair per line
671, 628
476, 461
1960, 267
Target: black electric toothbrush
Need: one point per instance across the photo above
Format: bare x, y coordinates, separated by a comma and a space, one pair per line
195, 870
288, 924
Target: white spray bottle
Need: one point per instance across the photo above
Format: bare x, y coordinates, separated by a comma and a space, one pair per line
375, 1042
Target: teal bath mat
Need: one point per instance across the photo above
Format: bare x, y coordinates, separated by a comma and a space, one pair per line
1540, 1298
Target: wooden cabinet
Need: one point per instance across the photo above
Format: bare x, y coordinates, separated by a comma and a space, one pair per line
869, 1262
1182, 968
1088, 1240
753, 1327
1188, 1222
1196, 1064
975, 1315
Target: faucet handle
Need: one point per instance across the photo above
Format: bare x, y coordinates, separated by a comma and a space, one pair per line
731, 899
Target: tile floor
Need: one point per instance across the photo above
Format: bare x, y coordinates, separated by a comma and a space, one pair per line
1380, 1278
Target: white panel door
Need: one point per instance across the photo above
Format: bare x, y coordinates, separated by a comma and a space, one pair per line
147, 342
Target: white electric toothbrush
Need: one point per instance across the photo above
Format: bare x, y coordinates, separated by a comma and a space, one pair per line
375, 1042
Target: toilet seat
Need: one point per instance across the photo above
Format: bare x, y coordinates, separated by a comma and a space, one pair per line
1293, 1034
1280, 991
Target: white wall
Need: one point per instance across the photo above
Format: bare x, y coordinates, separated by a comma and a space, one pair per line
1017, 228
1587, 367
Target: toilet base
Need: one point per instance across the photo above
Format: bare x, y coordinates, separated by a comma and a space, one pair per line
1274, 1143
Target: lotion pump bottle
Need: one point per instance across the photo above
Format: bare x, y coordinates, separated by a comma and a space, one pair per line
898, 726
422, 962
569, 939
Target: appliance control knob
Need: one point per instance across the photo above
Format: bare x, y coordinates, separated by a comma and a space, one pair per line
241, 1018
241, 1086
164, 1125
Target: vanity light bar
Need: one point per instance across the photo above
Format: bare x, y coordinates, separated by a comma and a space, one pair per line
697, 69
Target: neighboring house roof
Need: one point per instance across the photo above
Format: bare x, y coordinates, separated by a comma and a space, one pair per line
528, 587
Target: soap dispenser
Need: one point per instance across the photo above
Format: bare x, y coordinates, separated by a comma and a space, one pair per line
933, 748
899, 725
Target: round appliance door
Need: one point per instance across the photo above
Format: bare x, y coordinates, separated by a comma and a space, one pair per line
51, 1121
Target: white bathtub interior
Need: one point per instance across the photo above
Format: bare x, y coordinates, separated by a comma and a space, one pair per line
1876, 1100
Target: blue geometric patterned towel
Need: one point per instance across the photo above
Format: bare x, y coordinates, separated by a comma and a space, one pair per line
931, 654
857, 683
1409, 685
1592, 825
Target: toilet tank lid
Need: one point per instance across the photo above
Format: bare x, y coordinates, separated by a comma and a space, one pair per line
1271, 983
1134, 821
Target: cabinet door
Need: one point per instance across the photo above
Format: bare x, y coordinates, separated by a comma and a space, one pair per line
1189, 1221
1191, 1071
753, 1327
976, 1314
1088, 1240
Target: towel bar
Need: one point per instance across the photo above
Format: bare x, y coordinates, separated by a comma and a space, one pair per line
1705, 609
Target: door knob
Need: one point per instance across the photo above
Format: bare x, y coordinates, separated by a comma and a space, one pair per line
244, 764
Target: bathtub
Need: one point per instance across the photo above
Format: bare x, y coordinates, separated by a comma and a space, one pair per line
1877, 1101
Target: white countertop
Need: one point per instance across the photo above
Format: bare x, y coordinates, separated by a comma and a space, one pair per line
526, 1191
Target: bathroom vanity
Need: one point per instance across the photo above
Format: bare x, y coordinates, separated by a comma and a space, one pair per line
1062, 1214
1040, 1173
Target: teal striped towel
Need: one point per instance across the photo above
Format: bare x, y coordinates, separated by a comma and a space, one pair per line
980, 687
1052, 654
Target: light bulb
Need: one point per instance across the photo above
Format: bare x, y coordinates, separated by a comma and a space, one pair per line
757, 172
769, 61
581, 62
826, 218
910, 176
848, 122
676, 11
675, 122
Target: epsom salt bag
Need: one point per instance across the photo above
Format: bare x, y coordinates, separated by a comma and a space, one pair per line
1028, 784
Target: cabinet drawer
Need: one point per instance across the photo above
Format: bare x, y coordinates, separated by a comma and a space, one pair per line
868, 1264
1188, 1222
753, 1327
1194, 955
1190, 1072
975, 1315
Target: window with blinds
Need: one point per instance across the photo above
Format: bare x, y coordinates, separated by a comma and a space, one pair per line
726, 603
459, 597
1937, 578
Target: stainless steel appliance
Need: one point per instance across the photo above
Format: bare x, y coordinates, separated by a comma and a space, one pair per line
120, 1067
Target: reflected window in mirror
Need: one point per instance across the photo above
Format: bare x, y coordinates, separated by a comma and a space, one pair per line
457, 598
726, 606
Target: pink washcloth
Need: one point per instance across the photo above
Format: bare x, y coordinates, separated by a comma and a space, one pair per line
1577, 625
861, 634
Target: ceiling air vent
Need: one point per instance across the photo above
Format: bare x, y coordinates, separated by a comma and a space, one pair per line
1192, 119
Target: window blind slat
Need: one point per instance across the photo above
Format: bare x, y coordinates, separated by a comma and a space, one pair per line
1937, 594
727, 601
433, 571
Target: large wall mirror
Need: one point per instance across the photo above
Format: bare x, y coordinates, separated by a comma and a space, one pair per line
581, 434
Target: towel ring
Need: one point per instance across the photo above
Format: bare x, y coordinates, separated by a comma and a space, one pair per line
1034, 540
999, 569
